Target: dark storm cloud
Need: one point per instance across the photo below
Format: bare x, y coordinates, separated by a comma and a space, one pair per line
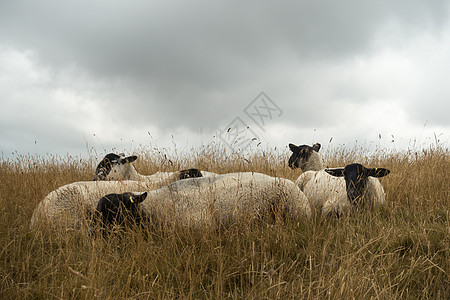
197, 64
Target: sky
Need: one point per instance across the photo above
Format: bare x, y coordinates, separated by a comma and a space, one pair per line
92, 77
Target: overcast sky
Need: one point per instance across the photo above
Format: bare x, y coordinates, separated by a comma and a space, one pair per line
93, 76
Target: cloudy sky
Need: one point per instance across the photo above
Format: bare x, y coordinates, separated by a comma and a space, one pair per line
93, 76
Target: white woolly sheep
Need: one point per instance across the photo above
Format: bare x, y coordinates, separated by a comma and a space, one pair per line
118, 167
223, 199
68, 205
357, 188
212, 200
82, 196
308, 160
329, 193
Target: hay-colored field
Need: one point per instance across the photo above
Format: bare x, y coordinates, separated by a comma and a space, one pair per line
401, 251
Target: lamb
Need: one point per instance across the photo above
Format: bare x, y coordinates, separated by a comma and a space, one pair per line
119, 167
326, 193
220, 199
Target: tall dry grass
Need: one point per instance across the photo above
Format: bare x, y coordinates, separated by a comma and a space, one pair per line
401, 251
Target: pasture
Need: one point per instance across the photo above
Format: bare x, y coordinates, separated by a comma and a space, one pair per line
401, 251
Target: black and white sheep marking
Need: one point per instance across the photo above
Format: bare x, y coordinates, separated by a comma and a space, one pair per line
331, 191
359, 184
119, 167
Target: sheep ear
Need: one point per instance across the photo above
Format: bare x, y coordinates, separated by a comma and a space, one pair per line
294, 148
129, 159
338, 172
378, 172
316, 147
141, 197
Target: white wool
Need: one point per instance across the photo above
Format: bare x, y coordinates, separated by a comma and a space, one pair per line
314, 162
67, 205
225, 198
220, 198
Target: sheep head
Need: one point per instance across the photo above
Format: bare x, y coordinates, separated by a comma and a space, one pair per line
120, 209
301, 154
356, 178
114, 167
190, 173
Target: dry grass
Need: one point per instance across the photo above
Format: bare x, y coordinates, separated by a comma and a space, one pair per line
400, 251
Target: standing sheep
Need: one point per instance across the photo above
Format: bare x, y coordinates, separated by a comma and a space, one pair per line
119, 167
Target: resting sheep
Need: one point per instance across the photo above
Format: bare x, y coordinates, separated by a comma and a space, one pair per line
362, 186
224, 199
80, 196
329, 194
69, 204
118, 210
220, 199
335, 195
119, 167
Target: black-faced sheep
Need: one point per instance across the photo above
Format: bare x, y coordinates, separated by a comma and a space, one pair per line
67, 206
219, 199
330, 194
118, 210
305, 157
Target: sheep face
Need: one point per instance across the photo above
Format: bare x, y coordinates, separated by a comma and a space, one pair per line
113, 167
120, 209
356, 178
190, 173
301, 154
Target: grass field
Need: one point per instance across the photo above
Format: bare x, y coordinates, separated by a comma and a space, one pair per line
401, 251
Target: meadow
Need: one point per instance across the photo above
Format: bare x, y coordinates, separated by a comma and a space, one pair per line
400, 251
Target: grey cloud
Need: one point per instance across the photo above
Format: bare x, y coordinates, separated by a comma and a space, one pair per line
199, 63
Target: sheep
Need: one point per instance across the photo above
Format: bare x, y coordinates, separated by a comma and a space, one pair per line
361, 183
334, 191
118, 167
305, 157
308, 160
327, 193
68, 205
79, 196
219, 199
118, 209
223, 199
